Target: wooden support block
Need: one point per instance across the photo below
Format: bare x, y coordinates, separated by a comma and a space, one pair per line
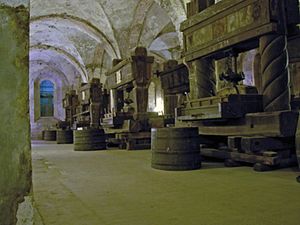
215, 153
258, 144
239, 157
247, 158
283, 163
260, 162
234, 143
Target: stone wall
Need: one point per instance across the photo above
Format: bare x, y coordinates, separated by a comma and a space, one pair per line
15, 153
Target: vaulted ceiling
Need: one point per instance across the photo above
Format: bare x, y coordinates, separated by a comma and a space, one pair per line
80, 38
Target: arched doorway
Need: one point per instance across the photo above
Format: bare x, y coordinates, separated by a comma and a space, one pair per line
46, 98
152, 97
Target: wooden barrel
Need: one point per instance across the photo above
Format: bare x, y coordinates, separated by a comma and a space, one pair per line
89, 140
64, 137
49, 135
175, 149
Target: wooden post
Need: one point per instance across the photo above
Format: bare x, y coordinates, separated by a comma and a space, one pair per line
202, 78
141, 71
274, 66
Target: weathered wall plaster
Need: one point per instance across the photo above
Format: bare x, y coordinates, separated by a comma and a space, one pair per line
15, 153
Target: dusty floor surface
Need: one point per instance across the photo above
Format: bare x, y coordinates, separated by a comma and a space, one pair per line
120, 188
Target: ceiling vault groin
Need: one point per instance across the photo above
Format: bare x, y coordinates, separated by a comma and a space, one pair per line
90, 34
69, 57
77, 21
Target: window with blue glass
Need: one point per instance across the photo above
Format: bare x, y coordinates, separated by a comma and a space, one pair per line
46, 98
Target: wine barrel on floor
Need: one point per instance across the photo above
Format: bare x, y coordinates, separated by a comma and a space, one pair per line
49, 135
64, 137
175, 149
89, 140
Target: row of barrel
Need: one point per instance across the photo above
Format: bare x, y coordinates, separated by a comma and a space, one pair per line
60, 136
172, 148
84, 140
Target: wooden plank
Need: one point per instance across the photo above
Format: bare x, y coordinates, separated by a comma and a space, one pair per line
114, 85
119, 66
276, 124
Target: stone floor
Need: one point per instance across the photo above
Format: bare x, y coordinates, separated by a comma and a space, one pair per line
119, 188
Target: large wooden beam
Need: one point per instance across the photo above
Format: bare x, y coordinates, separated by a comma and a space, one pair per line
234, 23
275, 124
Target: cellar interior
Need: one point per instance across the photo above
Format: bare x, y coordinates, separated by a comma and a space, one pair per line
150, 112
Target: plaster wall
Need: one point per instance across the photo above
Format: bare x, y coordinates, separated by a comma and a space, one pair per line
15, 152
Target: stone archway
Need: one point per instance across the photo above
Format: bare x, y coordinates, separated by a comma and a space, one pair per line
39, 123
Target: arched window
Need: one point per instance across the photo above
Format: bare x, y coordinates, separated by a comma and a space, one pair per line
46, 98
152, 97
